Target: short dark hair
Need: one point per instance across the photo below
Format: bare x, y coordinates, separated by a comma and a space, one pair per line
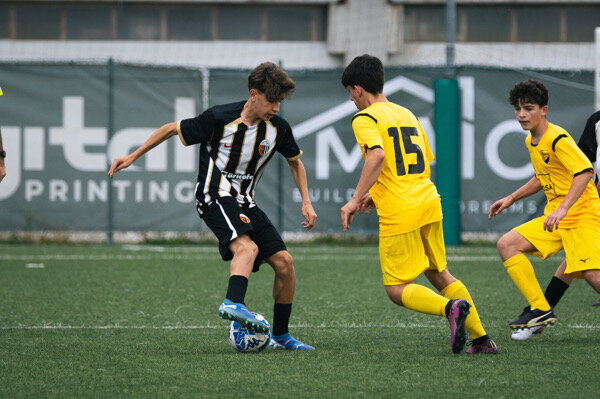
529, 91
270, 79
365, 71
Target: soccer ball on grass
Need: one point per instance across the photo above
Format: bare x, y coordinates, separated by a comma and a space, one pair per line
244, 340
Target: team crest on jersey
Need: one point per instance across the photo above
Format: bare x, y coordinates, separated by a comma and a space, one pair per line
264, 147
244, 218
545, 156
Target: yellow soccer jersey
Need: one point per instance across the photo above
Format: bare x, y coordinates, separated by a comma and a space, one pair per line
404, 194
556, 160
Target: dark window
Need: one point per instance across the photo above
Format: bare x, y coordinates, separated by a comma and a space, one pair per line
188, 23
89, 23
289, 23
484, 23
538, 24
425, 23
38, 22
128, 20
139, 22
239, 23
581, 22
4, 22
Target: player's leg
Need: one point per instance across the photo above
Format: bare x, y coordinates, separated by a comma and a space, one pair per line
512, 247
529, 238
273, 250
402, 260
233, 308
284, 285
554, 292
593, 278
225, 219
451, 288
558, 285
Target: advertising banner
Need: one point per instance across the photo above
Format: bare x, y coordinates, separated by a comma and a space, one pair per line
63, 124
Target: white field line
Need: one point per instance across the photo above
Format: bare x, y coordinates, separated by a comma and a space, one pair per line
174, 256
223, 326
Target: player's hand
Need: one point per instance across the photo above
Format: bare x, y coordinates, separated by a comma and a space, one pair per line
348, 211
310, 215
500, 205
366, 204
553, 219
120, 163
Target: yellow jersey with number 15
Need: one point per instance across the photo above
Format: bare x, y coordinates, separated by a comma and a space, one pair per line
404, 194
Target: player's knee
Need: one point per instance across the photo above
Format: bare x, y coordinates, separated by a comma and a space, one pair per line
592, 277
247, 249
504, 243
283, 265
286, 264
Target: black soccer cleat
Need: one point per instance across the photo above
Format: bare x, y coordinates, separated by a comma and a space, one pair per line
533, 318
458, 312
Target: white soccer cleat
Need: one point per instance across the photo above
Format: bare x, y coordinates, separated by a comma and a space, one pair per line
523, 334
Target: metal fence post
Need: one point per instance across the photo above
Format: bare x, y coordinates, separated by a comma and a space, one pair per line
110, 128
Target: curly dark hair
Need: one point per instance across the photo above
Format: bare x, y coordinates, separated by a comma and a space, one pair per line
529, 91
365, 71
270, 79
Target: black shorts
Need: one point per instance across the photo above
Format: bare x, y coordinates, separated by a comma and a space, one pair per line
227, 220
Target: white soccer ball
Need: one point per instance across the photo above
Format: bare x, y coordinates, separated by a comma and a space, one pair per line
244, 340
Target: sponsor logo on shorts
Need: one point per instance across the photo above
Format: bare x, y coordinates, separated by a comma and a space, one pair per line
264, 147
584, 260
244, 218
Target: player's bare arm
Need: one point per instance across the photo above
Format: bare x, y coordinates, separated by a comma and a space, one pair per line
529, 188
577, 188
163, 133
368, 177
299, 175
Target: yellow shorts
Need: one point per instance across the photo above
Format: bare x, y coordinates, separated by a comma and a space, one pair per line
405, 256
581, 245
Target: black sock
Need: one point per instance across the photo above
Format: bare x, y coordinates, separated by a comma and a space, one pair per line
555, 290
480, 340
236, 291
281, 318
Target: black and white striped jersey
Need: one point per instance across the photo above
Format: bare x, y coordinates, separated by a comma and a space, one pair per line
233, 155
588, 142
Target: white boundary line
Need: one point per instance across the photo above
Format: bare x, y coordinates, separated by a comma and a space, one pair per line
163, 256
223, 326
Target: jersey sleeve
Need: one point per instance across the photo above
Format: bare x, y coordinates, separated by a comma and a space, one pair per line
571, 156
588, 142
366, 131
288, 146
196, 130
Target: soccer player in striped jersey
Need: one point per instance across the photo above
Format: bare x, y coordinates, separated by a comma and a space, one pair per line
396, 180
560, 282
571, 219
236, 143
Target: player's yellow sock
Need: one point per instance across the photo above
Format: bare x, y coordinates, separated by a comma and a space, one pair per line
422, 299
457, 290
519, 268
